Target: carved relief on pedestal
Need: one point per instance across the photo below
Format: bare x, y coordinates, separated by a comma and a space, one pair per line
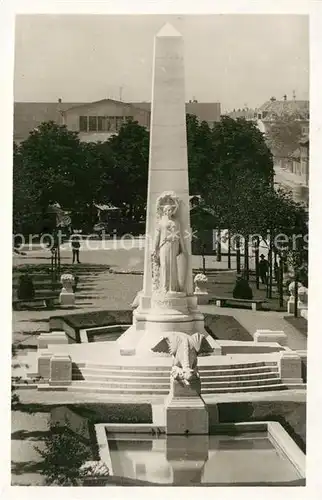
168, 245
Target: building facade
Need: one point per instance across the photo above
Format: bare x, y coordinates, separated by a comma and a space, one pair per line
100, 120
96, 121
292, 170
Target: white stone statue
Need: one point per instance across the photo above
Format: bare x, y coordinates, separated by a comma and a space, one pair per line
291, 288
67, 280
168, 245
200, 282
185, 349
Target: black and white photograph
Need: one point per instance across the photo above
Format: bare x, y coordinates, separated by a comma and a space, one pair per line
160, 249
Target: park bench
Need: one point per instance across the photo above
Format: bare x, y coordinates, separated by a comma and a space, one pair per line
49, 302
255, 303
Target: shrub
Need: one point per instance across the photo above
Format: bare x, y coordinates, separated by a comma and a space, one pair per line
64, 454
242, 289
26, 290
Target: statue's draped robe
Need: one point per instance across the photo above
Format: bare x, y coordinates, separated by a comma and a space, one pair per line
169, 247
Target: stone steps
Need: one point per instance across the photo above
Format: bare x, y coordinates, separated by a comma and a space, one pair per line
166, 384
157, 379
223, 378
166, 367
106, 372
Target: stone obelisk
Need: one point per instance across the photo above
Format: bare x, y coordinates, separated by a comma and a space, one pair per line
177, 310
168, 160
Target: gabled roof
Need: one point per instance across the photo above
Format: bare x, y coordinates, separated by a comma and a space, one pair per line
101, 101
280, 107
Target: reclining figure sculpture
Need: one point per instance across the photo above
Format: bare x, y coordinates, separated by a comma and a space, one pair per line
184, 349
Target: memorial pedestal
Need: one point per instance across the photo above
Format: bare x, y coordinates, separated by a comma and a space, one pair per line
186, 412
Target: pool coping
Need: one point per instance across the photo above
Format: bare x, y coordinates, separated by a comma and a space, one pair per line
276, 433
85, 333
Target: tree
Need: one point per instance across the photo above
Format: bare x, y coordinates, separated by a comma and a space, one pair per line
63, 456
25, 209
239, 170
284, 133
242, 165
129, 175
94, 182
51, 158
200, 153
287, 221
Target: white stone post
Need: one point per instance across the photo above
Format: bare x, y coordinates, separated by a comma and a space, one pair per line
60, 369
290, 367
44, 366
271, 336
67, 296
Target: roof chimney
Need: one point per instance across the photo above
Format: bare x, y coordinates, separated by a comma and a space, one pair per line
285, 97
59, 100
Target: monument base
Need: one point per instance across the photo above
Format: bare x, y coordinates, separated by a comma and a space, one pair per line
186, 412
67, 299
174, 312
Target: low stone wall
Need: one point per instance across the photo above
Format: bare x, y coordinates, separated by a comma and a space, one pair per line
290, 414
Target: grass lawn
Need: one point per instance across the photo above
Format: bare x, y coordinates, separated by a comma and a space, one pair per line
220, 327
223, 327
222, 284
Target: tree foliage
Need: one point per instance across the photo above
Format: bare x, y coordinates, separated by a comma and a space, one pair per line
241, 165
129, 173
51, 158
63, 455
230, 167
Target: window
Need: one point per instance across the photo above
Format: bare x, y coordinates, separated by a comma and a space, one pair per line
119, 122
92, 123
83, 123
110, 123
101, 124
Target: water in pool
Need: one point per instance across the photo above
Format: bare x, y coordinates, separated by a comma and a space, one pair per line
197, 460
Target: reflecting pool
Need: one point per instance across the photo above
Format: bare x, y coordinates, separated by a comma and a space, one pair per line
197, 460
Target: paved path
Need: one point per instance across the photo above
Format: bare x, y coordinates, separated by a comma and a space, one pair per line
27, 431
32, 396
123, 255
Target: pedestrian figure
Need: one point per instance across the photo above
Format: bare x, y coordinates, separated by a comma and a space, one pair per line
75, 239
263, 269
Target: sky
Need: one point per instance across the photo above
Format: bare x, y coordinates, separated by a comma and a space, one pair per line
237, 60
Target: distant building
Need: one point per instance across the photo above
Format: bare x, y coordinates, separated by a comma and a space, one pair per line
271, 110
291, 171
205, 111
96, 121
296, 179
100, 120
247, 113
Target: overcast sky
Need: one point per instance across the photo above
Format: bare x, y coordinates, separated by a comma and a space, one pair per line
236, 60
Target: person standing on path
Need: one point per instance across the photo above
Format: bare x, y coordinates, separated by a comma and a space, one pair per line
75, 239
263, 269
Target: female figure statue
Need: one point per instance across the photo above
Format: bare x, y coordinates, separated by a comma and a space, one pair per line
168, 244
